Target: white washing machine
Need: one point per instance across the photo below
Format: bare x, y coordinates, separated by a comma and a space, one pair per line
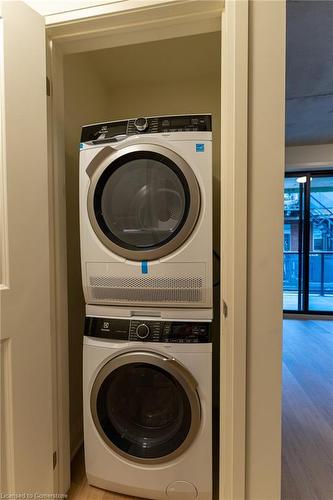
148, 407
146, 212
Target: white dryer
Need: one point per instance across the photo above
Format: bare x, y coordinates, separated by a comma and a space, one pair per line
148, 407
146, 212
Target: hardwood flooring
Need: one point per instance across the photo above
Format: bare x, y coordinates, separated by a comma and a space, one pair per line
307, 411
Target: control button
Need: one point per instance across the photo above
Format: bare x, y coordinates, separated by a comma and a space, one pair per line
181, 489
141, 124
142, 331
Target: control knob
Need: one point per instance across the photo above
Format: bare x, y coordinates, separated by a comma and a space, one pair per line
141, 124
142, 331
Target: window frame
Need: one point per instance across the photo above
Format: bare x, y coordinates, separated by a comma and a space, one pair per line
305, 233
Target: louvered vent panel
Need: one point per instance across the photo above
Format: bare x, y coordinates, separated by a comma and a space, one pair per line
147, 288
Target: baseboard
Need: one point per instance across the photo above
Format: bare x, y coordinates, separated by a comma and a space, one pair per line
299, 316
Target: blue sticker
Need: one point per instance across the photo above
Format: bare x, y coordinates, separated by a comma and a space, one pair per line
200, 148
81, 145
144, 267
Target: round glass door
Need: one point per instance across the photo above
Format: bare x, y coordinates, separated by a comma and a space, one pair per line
143, 411
144, 204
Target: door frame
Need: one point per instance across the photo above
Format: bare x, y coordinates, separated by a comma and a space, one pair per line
303, 158
234, 154
170, 21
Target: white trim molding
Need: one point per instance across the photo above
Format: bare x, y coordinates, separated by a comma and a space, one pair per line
234, 153
99, 9
4, 260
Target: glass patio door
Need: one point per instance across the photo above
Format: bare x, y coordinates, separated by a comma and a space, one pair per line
293, 296
308, 243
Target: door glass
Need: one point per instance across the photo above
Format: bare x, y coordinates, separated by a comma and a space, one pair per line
321, 244
293, 243
141, 204
143, 410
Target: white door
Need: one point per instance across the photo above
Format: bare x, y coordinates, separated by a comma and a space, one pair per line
25, 331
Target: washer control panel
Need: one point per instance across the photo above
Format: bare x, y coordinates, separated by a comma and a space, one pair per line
116, 131
137, 330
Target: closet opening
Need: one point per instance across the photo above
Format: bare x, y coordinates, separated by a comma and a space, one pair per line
176, 76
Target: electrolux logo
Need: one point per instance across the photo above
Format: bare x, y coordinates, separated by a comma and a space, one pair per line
106, 326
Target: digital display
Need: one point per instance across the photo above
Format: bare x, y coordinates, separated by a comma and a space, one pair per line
117, 129
186, 332
180, 122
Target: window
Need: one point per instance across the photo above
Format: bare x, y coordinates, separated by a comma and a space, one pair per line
308, 243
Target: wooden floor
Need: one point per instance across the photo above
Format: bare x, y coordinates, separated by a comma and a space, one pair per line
307, 416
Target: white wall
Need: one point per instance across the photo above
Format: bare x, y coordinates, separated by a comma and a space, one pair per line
265, 257
300, 157
180, 85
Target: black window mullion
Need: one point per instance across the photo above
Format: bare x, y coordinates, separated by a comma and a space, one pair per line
300, 248
306, 244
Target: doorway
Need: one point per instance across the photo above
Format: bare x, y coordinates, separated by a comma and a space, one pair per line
307, 391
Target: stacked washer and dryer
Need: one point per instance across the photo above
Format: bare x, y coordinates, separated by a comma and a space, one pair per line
146, 250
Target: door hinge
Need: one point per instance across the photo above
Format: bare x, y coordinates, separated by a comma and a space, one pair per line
225, 309
55, 459
48, 86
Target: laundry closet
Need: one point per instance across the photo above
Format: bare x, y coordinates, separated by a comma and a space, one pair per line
166, 77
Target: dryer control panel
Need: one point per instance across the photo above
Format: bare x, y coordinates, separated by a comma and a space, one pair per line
115, 131
138, 330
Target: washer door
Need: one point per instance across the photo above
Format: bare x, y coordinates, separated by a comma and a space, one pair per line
145, 407
143, 202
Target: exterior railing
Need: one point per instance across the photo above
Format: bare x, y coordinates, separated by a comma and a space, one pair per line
320, 272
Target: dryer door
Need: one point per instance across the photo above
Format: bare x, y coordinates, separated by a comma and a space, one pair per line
143, 201
145, 407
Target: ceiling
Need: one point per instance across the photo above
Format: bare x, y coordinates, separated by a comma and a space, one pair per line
309, 83
49, 7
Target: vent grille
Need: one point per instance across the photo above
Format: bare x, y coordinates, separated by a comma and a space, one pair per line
146, 295
147, 288
146, 281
